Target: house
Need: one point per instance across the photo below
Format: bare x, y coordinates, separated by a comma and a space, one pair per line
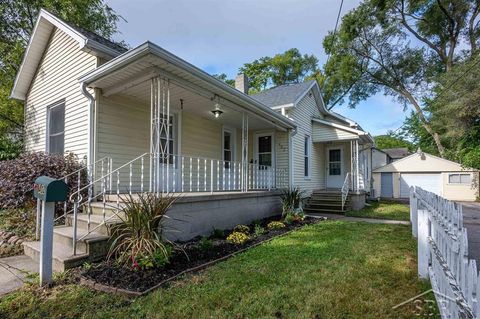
397, 153
440, 176
379, 158
145, 120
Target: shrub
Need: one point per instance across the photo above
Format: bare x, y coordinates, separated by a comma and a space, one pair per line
19, 221
237, 238
258, 230
275, 225
242, 229
218, 233
138, 239
289, 219
291, 200
18, 175
205, 244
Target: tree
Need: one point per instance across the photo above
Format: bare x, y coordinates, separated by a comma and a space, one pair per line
390, 140
225, 79
17, 21
399, 47
283, 68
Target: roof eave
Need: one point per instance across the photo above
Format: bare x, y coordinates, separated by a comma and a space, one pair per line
148, 47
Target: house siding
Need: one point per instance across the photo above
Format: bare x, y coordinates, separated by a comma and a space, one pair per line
324, 133
302, 115
56, 79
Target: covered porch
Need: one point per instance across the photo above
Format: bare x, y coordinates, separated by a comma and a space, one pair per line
167, 127
346, 158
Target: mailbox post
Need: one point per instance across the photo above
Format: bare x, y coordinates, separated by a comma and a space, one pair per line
48, 191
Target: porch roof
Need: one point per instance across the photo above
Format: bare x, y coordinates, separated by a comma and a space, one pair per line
149, 60
325, 131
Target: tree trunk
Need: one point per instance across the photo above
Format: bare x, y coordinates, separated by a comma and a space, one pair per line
425, 124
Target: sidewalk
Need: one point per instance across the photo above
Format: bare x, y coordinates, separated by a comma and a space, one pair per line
359, 219
13, 271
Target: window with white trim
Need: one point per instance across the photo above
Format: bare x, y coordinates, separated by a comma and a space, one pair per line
459, 178
56, 128
307, 155
228, 148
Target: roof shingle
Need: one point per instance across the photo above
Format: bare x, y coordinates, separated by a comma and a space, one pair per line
282, 94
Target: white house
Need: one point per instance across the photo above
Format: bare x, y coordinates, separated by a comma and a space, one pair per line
146, 120
440, 176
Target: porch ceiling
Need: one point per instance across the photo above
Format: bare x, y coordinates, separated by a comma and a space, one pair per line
130, 73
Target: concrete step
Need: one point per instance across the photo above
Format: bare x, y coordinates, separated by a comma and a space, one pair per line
323, 210
64, 236
63, 257
96, 222
97, 208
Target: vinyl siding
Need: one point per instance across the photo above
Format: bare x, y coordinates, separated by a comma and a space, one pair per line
56, 79
468, 192
302, 115
324, 133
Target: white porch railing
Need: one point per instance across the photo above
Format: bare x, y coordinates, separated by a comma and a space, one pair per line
345, 189
443, 254
171, 174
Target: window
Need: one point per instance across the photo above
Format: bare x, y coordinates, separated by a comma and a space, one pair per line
459, 178
265, 154
56, 128
164, 140
335, 162
227, 148
307, 151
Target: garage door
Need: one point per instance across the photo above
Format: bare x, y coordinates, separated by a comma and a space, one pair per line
431, 182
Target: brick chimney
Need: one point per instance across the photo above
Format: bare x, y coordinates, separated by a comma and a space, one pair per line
241, 83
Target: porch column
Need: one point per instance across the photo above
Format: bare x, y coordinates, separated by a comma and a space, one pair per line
244, 152
159, 126
357, 167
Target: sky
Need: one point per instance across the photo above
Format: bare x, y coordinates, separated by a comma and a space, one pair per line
219, 36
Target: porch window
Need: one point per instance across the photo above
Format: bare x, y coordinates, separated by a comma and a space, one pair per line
307, 156
170, 140
227, 148
459, 178
265, 154
56, 129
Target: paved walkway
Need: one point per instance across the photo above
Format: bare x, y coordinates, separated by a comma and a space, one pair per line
471, 221
13, 271
360, 219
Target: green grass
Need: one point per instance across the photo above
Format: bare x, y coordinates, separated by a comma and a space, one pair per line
329, 270
383, 210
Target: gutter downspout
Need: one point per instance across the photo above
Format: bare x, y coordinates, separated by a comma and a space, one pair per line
90, 135
291, 134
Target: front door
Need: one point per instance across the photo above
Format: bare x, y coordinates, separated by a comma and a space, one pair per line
335, 170
262, 176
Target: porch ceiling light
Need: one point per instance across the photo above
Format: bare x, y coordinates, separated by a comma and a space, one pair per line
217, 111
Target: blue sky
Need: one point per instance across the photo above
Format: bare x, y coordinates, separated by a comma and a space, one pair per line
219, 36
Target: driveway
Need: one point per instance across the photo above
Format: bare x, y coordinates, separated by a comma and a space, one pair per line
471, 221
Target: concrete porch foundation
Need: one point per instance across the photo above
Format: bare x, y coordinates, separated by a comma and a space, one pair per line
357, 200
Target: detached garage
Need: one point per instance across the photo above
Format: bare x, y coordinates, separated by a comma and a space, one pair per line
432, 173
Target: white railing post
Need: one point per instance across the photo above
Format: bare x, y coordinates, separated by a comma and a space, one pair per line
423, 244
413, 212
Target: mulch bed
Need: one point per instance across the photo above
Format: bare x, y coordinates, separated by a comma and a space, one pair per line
108, 276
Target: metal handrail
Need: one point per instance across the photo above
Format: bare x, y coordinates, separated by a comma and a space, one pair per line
345, 189
198, 174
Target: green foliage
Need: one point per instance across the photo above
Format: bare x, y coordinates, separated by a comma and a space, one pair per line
283, 68
218, 233
238, 238
18, 175
205, 244
137, 241
17, 20
242, 229
275, 225
7, 250
291, 200
383, 210
390, 140
225, 79
289, 219
20, 221
258, 230
10, 148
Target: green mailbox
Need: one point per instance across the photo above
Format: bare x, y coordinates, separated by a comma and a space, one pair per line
49, 189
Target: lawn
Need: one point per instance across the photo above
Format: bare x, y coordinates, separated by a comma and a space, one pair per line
328, 270
383, 210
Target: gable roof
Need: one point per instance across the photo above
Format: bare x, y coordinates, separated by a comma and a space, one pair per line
422, 162
397, 153
45, 25
281, 95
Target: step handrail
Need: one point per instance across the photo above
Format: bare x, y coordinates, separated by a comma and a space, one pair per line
345, 189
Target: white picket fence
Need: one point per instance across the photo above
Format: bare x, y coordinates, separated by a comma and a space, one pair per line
437, 223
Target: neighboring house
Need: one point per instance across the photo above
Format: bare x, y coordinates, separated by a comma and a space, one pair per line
379, 158
394, 154
440, 176
146, 120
